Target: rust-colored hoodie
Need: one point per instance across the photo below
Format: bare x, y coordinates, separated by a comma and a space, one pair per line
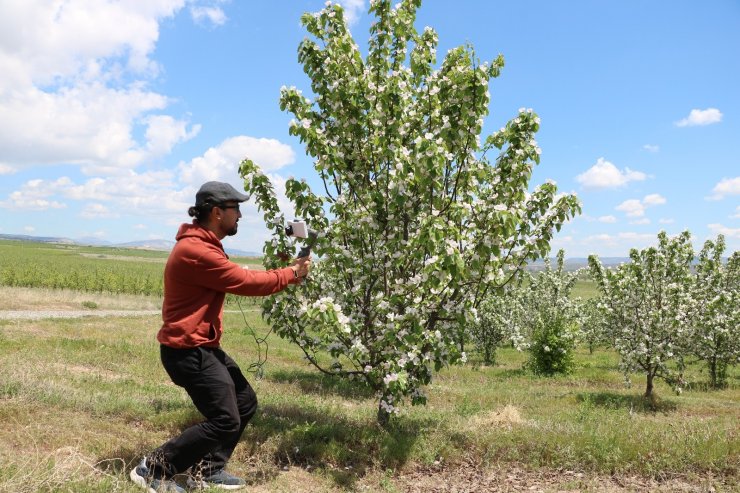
197, 277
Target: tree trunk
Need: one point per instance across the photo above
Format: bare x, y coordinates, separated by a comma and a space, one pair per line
713, 372
649, 387
383, 416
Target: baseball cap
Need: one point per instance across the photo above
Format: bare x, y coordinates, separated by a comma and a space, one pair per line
216, 192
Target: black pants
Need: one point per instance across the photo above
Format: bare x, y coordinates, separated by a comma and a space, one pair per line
222, 394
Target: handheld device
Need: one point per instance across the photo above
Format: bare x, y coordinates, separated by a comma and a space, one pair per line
299, 229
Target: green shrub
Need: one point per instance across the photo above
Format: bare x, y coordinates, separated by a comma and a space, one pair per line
551, 348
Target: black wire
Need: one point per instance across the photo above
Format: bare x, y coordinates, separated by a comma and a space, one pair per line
258, 367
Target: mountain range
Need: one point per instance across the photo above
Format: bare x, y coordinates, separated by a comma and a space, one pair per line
163, 245
573, 263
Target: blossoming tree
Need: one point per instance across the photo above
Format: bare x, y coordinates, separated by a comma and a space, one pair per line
419, 219
645, 305
715, 324
498, 322
593, 328
551, 317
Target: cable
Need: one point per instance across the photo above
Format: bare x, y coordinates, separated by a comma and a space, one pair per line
258, 366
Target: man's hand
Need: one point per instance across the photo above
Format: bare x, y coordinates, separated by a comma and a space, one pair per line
301, 267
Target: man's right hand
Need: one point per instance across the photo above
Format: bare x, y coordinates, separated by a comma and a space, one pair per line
301, 266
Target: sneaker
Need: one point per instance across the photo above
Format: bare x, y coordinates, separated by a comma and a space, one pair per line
219, 479
143, 477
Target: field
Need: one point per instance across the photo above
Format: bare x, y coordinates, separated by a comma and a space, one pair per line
82, 399
87, 269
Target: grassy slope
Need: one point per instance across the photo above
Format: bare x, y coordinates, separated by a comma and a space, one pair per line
81, 400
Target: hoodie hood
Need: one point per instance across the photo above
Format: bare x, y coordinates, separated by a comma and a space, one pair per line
195, 230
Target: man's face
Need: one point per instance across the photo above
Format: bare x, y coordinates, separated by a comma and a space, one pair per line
230, 217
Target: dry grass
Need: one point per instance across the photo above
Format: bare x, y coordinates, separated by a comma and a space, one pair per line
507, 417
18, 298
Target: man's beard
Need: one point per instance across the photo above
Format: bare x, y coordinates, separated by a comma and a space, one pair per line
232, 231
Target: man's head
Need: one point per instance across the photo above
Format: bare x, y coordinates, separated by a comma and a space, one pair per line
217, 192
217, 208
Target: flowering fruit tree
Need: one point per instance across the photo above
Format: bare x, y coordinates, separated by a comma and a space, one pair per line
419, 218
645, 305
715, 327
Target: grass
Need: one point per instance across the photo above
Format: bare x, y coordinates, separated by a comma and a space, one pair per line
91, 269
585, 289
24, 298
81, 400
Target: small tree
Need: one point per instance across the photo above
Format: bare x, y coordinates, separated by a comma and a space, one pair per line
593, 329
497, 323
645, 305
715, 336
419, 223
551, 317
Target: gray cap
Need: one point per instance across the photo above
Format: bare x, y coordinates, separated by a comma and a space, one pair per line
216, 192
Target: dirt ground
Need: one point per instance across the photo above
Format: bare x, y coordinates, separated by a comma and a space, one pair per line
472, 479
469, 480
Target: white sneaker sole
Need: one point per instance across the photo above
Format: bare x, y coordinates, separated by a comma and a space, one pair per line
204, 486
139, 481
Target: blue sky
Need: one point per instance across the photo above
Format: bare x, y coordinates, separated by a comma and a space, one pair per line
113, 113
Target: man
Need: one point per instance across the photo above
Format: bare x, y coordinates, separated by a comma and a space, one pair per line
197, 277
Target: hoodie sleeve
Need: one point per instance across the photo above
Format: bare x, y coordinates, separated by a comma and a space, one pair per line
215, 271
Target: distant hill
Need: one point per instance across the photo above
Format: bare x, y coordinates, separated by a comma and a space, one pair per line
38, 239
148, 244
576, 263
163, 245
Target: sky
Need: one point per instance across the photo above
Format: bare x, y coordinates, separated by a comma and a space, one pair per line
113, 113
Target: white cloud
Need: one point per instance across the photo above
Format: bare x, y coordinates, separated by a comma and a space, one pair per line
74, 85
604, 174
717, 229
29, 229
164, 132
140, 226
89, 124
619, 244
644, 220
167, 194
607, 219
667, 221
78, 39
636, 208
96, 211
30, 204
701, 117
653, 199
222, 162
726, 186
632, 207
352, 10
206, 15
34, 196
145, 194
6, 169
651, 148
